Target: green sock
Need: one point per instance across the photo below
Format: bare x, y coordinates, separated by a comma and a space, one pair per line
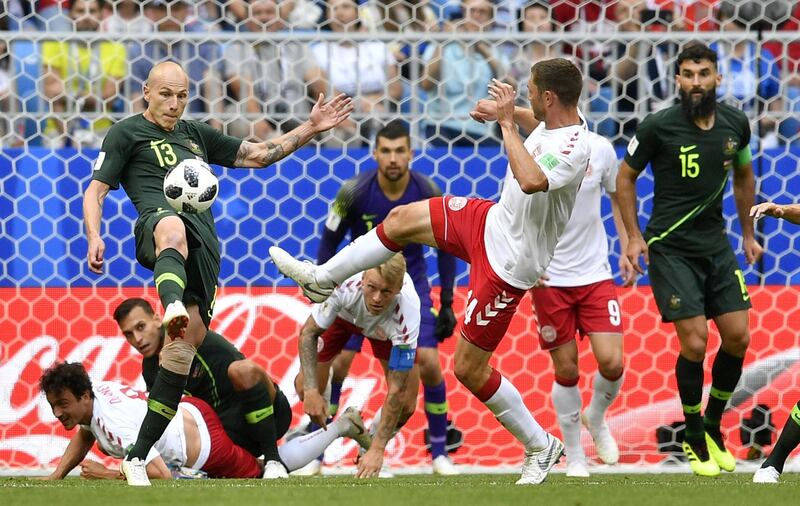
170, 276
787, 441
162, 404
725, 374
258, 413
690, 388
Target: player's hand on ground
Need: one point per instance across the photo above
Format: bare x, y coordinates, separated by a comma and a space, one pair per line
485, 110
97, 249
316, 407
326, 115
369, 465
542, 281
626, 271
752, 250
766, 209
445, 323
92, 470
505, 95
637, 248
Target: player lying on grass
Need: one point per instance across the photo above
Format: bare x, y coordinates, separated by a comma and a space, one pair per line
789, 439
382, 305
110, 414
221, 376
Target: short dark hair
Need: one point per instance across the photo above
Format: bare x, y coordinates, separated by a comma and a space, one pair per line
394, 129
66, 375
559, 76
696, 52
126, 306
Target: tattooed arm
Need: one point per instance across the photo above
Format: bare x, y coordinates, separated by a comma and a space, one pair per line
313, 402
370, 464
323, 117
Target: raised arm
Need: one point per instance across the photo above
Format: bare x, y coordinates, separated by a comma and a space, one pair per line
530, 177
92, 213
486, 110
324, 116
314, 403
76, 451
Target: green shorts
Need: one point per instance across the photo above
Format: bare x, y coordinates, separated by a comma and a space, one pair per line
202, 264
685, 287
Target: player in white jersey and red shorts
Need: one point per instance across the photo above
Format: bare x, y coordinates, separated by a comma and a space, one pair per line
508, 244
110, 414
577, 294
382, 305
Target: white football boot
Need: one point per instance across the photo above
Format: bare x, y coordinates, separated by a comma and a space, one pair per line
135, 472
357, 431
302, 273
313, 468
604, 442
767, 475
539, 463
443, 466
274, 470
176, 319
577, 469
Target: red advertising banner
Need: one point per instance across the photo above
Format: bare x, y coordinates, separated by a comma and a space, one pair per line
39, 326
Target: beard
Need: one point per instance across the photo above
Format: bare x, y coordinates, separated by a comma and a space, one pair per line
702, 108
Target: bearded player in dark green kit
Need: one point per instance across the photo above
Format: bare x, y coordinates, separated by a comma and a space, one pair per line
691, 148
181, 249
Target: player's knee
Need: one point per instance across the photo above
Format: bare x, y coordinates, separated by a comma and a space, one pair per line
737, 344
566, 369
610, 368
399, 223
244, 374
694, 350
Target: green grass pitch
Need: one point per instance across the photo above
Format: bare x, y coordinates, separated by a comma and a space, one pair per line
479, 490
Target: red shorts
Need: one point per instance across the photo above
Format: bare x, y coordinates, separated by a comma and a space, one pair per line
226, 459
336, 336
588, 309
458, 225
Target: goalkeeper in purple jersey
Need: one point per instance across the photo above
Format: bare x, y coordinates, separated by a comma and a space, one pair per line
361, 204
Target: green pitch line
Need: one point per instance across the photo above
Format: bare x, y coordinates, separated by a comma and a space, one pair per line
609, 489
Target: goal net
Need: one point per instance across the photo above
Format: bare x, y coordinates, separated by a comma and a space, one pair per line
60, 91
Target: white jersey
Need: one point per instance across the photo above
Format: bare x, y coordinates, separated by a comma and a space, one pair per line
119, 411
522, 229
581, 256
399, 323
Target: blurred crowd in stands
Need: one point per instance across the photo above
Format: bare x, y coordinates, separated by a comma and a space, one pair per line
65, 91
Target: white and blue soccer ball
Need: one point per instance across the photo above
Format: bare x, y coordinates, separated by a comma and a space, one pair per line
191, 186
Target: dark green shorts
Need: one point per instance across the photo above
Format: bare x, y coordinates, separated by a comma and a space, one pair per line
232, 418
202, 265
685, 287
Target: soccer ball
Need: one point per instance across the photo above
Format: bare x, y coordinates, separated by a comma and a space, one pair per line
191, 186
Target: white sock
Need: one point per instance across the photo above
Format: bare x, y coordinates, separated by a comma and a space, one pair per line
301, 450
567, 401
510, 410
603, 396
366, 252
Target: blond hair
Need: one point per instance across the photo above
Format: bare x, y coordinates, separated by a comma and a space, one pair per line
393, 270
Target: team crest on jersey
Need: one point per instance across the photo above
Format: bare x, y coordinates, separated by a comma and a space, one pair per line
731, 146
548, 333
195, 148
675, 302
457, 203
